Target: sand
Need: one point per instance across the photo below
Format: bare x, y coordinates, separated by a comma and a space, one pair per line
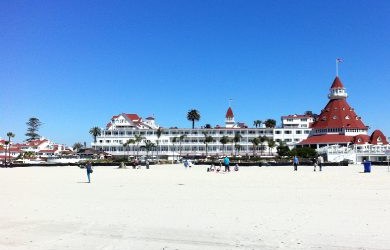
169, 207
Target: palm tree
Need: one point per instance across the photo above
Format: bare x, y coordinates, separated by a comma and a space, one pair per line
237, 147
130, 141
149, 146
193, 115
181, 138
95, 131
125, 145
270, 123
158, 133
271, 145
257, 123
174, 140
224, 140
137, 139
9, 134
207, 140
77, 146
255, 142
236, 140
262, 140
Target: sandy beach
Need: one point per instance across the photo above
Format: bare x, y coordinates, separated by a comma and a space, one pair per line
170, 207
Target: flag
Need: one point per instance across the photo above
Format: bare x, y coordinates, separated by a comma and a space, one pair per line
340, 60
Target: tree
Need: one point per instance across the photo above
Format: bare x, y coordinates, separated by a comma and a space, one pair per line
270, 123
181, 138
271, 145
305, 152
236, 140
149, 146
173, 140
207, 140
158, 133
130, 141
33, 125
224, 140
9, 134
257, 123
207, 125
262, 140
137, 139
193, 115
77, 146
95, 132
255, 142
125, 146
283, 149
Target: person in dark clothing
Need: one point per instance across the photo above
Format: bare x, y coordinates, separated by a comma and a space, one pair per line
295, 162
88, 166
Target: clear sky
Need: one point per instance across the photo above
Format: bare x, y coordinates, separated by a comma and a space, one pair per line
75, 64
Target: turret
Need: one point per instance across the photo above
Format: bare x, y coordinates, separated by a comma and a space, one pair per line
229, 118
337, 90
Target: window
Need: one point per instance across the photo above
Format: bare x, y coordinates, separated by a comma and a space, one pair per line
278, 132
287, 132
298, 132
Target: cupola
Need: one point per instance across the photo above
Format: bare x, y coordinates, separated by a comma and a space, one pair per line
337, 90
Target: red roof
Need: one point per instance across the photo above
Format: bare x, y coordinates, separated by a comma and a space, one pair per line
47, 151
327, 139
297, 116
133, 117
361, 139
338, 114
229, 113
337, 84
378, 137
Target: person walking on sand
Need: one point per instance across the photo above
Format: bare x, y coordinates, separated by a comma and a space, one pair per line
226, 162
315, 163
320, 161
295, 162
88, 166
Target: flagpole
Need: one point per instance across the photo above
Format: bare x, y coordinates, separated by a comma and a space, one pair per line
337, 67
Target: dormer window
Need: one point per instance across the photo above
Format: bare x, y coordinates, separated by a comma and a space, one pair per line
378, 139
323, 118
347, 117
359, 140
334, 117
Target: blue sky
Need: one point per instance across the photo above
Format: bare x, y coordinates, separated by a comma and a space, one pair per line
75, 64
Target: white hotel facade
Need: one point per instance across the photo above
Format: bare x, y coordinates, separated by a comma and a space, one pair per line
122, 127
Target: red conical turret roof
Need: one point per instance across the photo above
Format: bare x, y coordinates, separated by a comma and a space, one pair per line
337, 83
229, 113
338, 114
